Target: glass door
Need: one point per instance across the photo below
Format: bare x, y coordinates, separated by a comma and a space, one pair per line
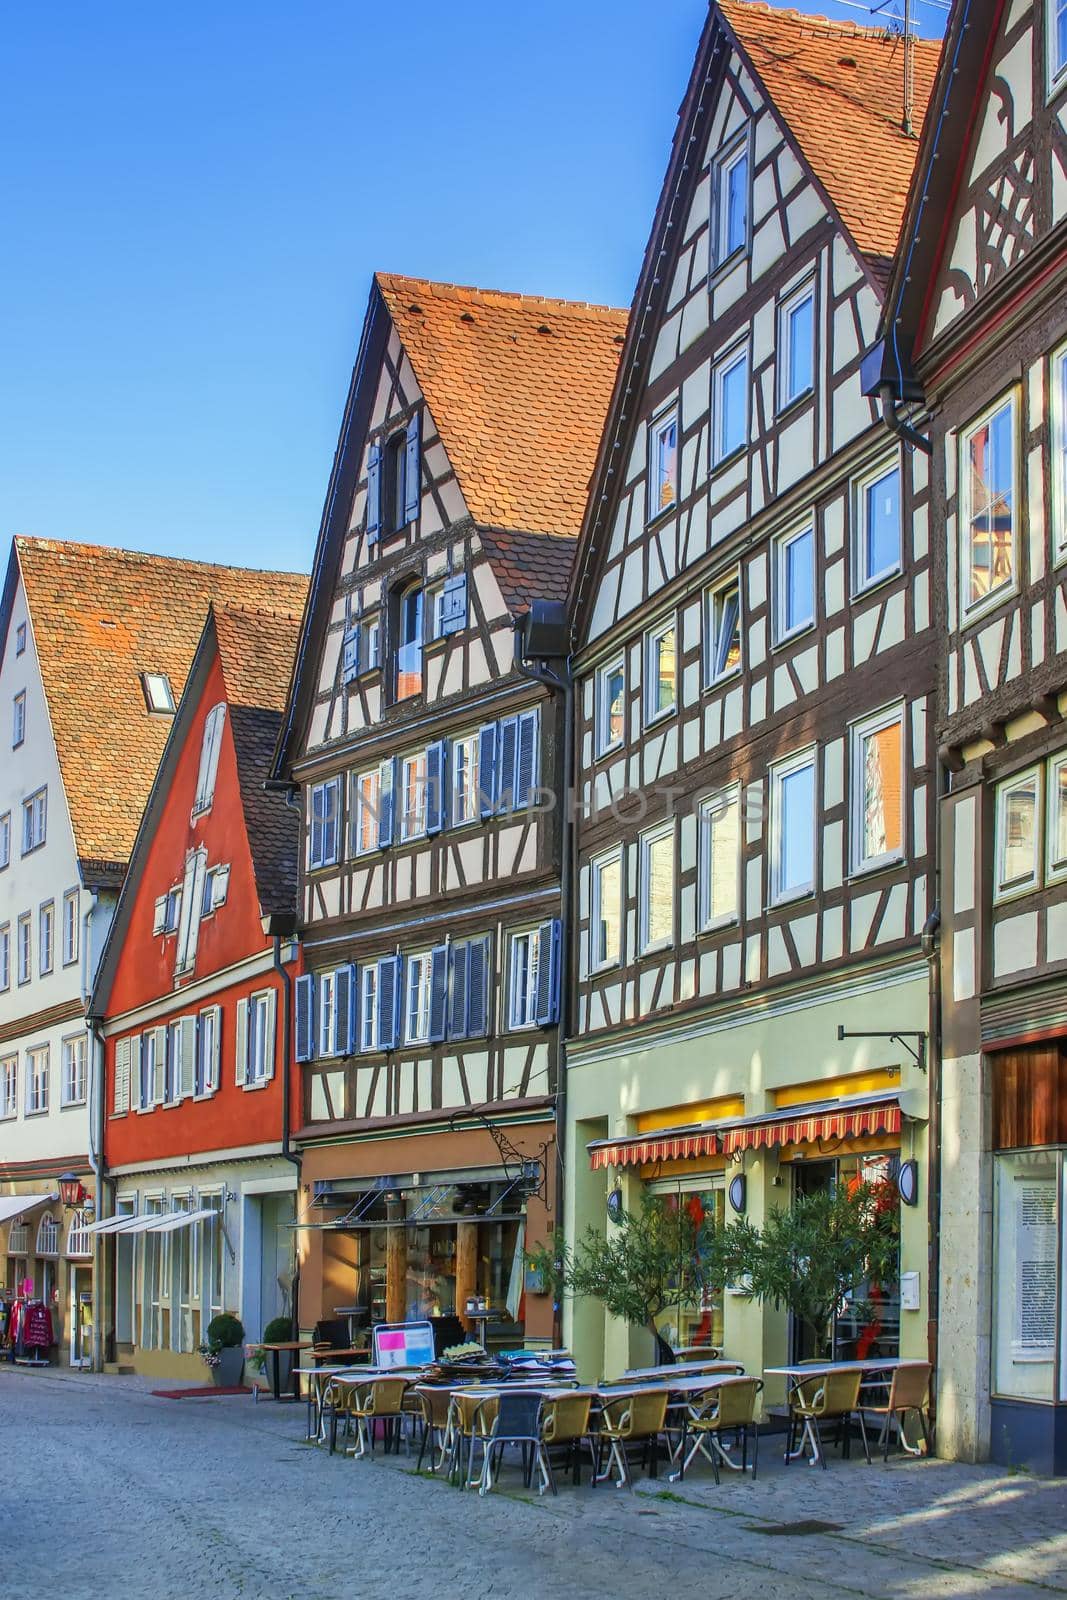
686, 1325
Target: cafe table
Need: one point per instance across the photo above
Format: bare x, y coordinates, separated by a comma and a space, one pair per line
817, 1369
275, 1352
717, 1364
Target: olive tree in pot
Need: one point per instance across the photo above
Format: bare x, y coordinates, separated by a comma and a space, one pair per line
279, 1330
223, 1350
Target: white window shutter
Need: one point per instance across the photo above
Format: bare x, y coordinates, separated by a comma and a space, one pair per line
216, 1042
187, 1063
123, 1056
271, 1026
136, 1046
159, 920
209, 758
240, 1054
220, 884
159, 1066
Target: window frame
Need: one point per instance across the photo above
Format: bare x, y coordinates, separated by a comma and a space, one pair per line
727, 363
33, 1055
46, 918
74, 1043
5, 840
782, 543
321, 860
1058, 434
151, 684
361, 807
29, 820
9, 1086
414, 591
603, 743
471, 792
207, 1058
598, 961
788, 302
420, 962
778, 773
18, 720
710, 809
736, 150
413, 822
859, 731
653, 637
5, 957
647, 840
20, 638
325, 1040
1003, 891
1004, 591
524, 1018
25, 921
862, 580
260, 1044
1055, 872
1055, 76
712, 595
368, 991
71, 947
668, 416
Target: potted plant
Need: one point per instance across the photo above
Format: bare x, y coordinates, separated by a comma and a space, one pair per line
279, 1330
223, 1350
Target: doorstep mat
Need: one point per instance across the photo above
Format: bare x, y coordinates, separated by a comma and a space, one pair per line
198, 1393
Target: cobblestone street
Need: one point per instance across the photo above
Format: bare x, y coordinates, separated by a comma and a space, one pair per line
111, 1491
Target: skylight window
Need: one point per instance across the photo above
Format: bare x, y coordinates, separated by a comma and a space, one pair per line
157, 692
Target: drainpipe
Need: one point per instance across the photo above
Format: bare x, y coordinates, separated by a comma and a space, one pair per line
282, 969
932, 950
896, 424
97, 1109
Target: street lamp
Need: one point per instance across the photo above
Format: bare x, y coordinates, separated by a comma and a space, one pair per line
71, 1190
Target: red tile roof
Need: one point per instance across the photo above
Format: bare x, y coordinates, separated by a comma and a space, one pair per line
840, 88
100, 618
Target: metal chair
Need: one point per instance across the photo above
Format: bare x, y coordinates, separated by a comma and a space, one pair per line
565, 1427
636, 1417
517, 1420
375, 1400
730, 1407
470, 1421
826, 1396
908, 1391
436, 1412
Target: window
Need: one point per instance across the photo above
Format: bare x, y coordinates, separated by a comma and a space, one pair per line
210, 749
34, 815
731, 201
663, 464
158, 695
730, 406
48, 1235
151, 1068
168, 911
1018, 831
325, 823
37, 1080
365, 805
5, 956
190, 910
46, 919
326, 1014
216, 888
466, 779
260, 1063
878, 790
657, 887
1056, 849
417, 1002
25, 948
18, 728
659, 671
79, 1240
469, 1005
610, 715
449, 609
75, 1059
722, 610
1059, 436
368, 1003
720, 857
794, 607
9, 1086
372, 645
413, 796
796, 345
606, 911
208, 1038
5, 839
1056, 13
792, 861
71, 927
20, 639
877, 513
395, 485
987, 507
409, 645
522, 1007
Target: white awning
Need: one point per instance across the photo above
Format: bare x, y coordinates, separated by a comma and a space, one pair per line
143, 1224
182, 1219
13, 1205
118, 1224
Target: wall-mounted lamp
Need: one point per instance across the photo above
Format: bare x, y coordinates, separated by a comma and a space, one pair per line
908, 1182
71, 1189
615, 1206
737, 1192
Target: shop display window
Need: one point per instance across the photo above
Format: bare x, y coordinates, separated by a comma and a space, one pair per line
1028, 1319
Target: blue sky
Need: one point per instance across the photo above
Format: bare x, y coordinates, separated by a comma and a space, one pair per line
197, 195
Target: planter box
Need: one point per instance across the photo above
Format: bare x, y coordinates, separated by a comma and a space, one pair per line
230, 1370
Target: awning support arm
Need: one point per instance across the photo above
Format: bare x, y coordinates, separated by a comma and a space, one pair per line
916, 1051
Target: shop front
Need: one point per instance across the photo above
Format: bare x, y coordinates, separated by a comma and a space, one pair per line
46, 1261
429, 1226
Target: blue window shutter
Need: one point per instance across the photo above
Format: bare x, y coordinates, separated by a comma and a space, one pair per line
438, 992
454, 604
457, 1020
487, 769
478, 988
331, 826
305, 1017
548, 939
529, 729
374, 492
506, 760
350, 652
386, 792
412, 468
389, 987
343, 983
436, 790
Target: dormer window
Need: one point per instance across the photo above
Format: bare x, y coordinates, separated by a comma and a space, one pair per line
393, 481
409, 643
158, 695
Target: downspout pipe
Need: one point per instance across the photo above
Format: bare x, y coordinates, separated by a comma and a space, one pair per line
281, 967
890, 407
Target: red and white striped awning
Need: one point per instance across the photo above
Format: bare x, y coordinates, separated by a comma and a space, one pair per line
828, 1119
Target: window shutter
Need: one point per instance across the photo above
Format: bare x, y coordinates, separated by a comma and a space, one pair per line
220, 886
529, 728
438, 992
343, 983
187, 1053
240, 1054
374, 492
478, 988
388, 1002
350, 653
269, 1044
209, 758
123, 1062
136, 1087
412, 468
508, 739
159, 920
454, 604
216, 1050
547, 1000
305, 1017
436, 788
386, 802
159, 1066
487, 769
457, 1021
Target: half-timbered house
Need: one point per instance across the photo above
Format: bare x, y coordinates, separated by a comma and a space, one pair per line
976, 330
754, 670
427, 758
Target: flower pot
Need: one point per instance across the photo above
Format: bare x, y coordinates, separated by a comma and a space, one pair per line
230, 1370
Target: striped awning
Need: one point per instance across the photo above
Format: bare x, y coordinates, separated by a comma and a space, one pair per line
828, 1119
